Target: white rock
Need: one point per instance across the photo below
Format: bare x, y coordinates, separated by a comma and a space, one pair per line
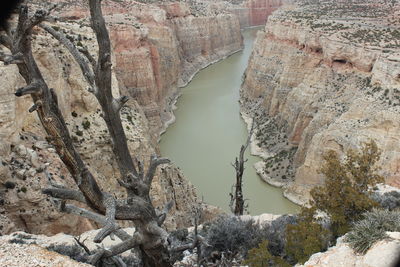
21, 150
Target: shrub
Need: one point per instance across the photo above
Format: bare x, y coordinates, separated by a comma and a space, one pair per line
9, 185
372, 228
232, 236
343, 197
345, 193
388, 200
306, 237
275, 233
86, 124
261, 257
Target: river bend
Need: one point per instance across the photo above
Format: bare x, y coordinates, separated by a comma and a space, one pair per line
209, 131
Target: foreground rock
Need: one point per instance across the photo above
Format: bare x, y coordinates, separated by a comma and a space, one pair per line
323, 75
384, 253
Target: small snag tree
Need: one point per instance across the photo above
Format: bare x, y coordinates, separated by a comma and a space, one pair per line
149, 237
237, 204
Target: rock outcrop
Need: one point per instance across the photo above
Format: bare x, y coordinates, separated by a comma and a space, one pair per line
384, 253
324, 75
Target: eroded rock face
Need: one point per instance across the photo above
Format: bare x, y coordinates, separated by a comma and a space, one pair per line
318, 80
255, 12
159, 48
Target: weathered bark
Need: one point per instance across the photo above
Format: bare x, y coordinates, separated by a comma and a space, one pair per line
237, 199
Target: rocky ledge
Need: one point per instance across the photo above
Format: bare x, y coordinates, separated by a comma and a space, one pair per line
383, 253
325, 75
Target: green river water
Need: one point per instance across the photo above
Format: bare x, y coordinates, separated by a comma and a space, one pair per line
209, 131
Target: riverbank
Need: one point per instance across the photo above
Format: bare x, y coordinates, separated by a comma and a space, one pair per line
175, 96
259, 166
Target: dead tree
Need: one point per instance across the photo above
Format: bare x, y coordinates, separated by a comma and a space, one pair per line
150, 238
237, 200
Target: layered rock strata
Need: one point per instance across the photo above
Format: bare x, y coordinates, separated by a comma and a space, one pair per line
255, 12
156, 49
159, 48
325, 75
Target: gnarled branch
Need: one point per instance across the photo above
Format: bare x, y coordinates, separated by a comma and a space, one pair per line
110, 226
154, 163
31, 88
11, 59
66, 194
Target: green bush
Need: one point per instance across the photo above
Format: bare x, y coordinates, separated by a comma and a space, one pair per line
372, 228
345, 193
86, 124
343, 197
306, 237
261, 257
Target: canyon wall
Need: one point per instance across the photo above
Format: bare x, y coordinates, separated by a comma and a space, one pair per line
159, 48
255, 12
325, 75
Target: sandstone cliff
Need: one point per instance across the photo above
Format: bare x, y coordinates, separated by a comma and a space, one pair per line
159, 48
255, 12
325, 75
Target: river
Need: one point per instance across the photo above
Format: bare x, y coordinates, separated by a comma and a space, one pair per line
208, 133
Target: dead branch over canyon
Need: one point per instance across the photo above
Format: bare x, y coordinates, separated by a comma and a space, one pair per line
149, 237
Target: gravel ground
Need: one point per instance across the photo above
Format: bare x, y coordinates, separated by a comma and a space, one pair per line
20, 255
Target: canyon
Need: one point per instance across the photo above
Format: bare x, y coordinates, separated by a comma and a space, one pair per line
208, 133
157, 49
324, 75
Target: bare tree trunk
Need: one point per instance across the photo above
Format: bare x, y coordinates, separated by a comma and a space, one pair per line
237, 199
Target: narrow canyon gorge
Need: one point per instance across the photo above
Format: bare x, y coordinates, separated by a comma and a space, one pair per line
310, 75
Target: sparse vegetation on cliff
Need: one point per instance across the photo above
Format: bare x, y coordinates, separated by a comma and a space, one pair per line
345, 193
343, 198
306, 237
372, 228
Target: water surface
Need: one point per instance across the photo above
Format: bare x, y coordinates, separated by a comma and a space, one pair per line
208, 133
